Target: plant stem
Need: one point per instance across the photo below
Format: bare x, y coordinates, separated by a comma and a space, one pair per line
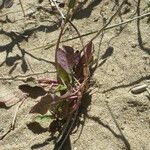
109, 21
67, 133
23, 77
22, 8
79, 36
61, 31
93, 32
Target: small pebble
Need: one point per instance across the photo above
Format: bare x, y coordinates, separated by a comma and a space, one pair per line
125, 108
139, 89
107, 96
75, 148
133, 45
124, 121
122, 128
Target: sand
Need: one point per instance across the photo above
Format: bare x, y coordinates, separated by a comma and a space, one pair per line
115, 119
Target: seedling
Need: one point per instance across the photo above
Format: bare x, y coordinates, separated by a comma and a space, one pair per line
60, 98
73, 74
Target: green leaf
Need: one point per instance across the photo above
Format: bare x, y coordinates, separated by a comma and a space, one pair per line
43, 118
62, 66
61, 88
71, 3
62, 74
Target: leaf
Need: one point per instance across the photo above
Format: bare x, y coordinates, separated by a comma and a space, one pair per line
62, 66
77, 57
88, 52
62, 60
60, 88
68, 94
44, 105
43, 118
71, 3
79, 70
62, 75
81, 67
62, 109
69, 55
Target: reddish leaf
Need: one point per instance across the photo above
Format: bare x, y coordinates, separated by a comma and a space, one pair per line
69, 93
86, 58
63, 69
44, 105
69, 55
79, 70
88, 51
77, 57
62, 60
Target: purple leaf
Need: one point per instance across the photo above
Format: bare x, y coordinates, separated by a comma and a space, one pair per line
88, 51
77, 57
69, 55
68, 94
62, 60
79, 71
86, 58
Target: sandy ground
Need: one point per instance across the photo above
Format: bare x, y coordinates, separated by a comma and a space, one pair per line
115, 118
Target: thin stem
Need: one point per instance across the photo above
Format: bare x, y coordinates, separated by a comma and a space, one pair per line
69, 130
109, 21
60, 35
22, 77
61, 31
16, 111
62, 15
93, 32
77, 32
22, 8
